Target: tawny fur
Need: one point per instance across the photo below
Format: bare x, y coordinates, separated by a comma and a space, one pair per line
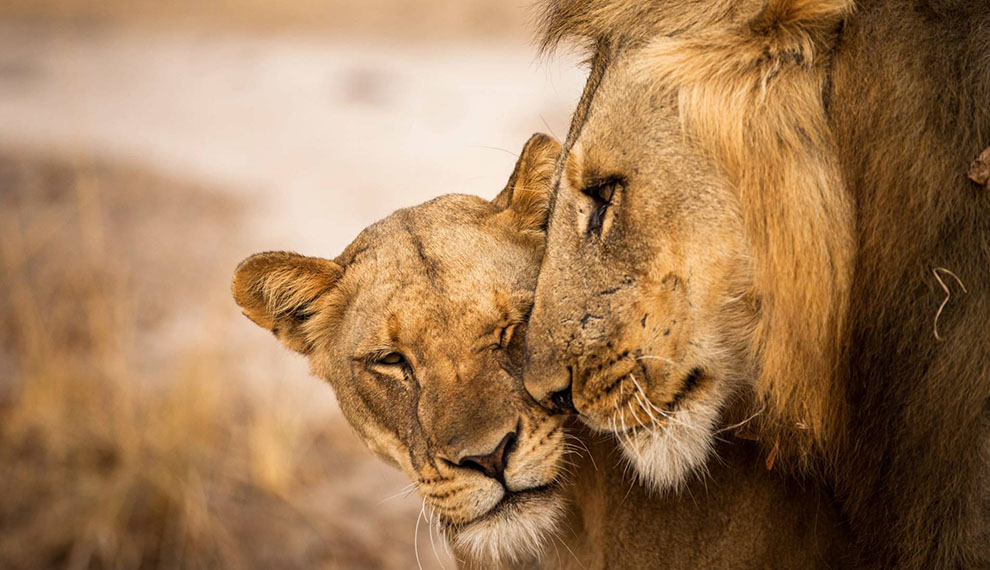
847, 131
748, 518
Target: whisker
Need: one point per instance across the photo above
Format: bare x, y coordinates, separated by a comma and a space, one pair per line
661, 358
403, 493
568, 548
433, 544
745, 421
422, 512
591, 456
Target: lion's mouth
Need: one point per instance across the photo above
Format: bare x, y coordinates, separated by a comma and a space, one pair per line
618, 387
690, 384
629, 392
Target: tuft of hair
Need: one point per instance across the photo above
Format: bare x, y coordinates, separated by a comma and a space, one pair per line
625, 21
515, 536
664, 458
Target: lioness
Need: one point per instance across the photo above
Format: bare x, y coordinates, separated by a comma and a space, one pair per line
770, 197
418, 327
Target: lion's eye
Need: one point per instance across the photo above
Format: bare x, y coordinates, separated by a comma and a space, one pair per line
601, 194
604, 193
392, 359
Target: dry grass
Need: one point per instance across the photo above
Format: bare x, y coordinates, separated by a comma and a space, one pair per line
121, 451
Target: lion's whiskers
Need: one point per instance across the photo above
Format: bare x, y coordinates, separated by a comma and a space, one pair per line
744, 422
653, 357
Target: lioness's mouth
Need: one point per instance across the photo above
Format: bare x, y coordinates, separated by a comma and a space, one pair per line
511, 500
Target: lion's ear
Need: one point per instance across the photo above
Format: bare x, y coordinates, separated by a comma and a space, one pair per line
526, 197
277, 289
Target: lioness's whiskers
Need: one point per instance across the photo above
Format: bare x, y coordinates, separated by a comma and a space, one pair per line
572, 440
433, 544
403, 493
556, 536
422, 513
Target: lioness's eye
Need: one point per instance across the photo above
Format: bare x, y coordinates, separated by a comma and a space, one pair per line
504, 336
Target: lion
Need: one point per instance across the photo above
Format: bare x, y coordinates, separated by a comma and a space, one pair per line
419, 327
762, 211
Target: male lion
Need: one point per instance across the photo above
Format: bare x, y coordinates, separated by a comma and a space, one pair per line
768, 198
419, 325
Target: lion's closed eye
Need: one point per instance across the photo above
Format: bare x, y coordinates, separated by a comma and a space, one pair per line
602, 193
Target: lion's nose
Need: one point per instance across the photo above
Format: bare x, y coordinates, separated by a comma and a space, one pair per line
492, 464
561, 402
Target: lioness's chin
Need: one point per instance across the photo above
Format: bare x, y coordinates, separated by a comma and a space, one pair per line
517, 530
664, 456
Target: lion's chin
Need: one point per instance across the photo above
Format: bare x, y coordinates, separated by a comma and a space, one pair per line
515, 531
663, 457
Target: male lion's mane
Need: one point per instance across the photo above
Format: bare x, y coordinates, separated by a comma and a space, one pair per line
847, 131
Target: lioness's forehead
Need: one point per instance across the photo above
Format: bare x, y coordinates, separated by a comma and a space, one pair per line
454, 249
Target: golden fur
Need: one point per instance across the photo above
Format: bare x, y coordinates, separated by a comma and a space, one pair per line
303, 300
376, 324
827, 144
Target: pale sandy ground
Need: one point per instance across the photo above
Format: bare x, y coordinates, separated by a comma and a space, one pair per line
318, 137
324, 137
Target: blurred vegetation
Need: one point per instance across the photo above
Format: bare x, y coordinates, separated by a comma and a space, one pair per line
407, 19
119, 450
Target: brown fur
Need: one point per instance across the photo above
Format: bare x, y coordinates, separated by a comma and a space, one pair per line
843, 136
740, 517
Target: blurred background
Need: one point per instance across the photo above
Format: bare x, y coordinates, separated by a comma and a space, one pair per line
147, 146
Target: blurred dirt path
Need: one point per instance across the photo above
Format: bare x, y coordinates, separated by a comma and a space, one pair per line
323, 137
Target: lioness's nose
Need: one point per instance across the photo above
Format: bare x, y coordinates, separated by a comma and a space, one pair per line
492, 464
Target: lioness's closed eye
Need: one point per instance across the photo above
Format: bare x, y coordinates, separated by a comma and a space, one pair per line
418, 327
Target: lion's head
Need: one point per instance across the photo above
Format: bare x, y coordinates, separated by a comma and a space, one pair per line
418, 326
699, 250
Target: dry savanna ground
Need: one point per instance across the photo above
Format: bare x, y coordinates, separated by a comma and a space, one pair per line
122, 449
145, 148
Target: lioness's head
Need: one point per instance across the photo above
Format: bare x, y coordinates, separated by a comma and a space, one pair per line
419, 326
699, 242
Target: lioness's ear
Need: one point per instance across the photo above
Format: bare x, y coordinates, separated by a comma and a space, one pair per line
526, 197
276, 291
